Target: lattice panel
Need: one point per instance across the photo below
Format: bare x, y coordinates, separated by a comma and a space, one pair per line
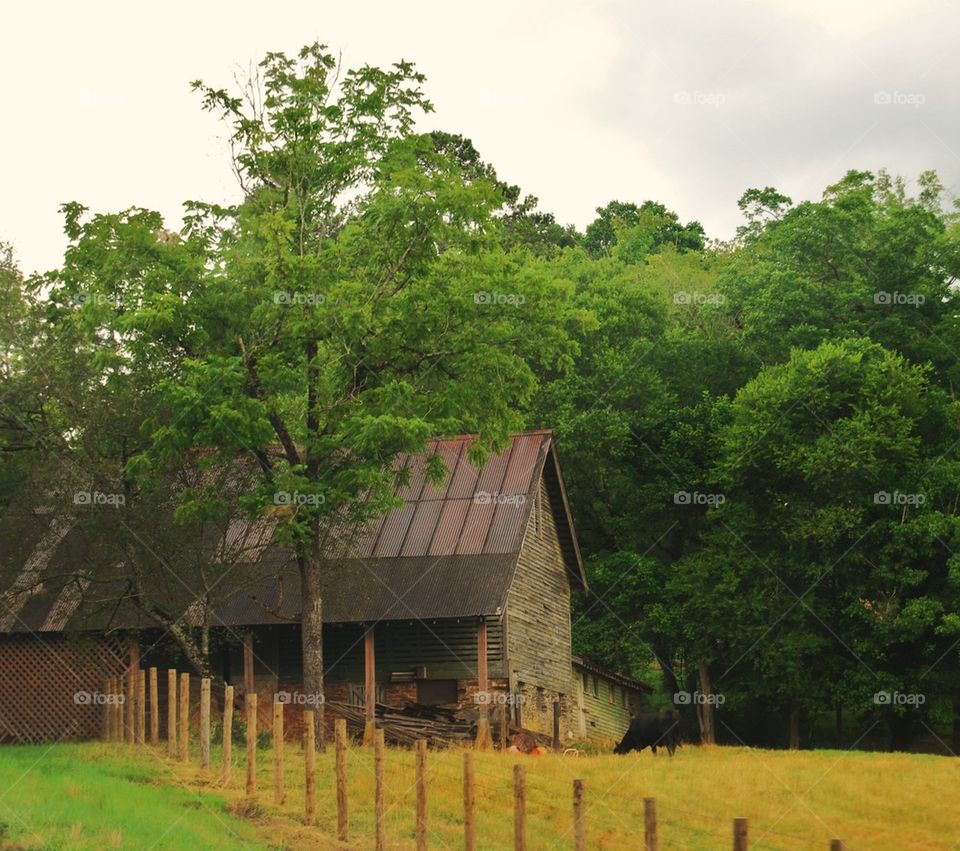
44, 681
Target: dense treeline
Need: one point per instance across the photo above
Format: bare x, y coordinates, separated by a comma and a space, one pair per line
760, 436
761, 444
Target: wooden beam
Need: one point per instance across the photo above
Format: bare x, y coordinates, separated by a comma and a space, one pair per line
484, 739
369, 687
248, 687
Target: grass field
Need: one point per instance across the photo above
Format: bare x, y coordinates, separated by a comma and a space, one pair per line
98, 797
107, 797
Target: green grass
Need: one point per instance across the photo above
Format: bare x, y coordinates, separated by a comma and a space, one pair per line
99, 797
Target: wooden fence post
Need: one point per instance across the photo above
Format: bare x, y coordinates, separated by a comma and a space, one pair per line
227, 734
154, 708
184, 716
131, 706
251, 744
837, 845
205, 723
278, 793
739, 834
579, 818
379, 790
469, 798
519, 809
171, 712
340, 730
651, 843
421, 795
141, 707
310, 765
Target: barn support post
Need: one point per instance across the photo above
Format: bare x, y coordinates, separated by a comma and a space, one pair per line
248, 662
556, 726
484, 740
369, 687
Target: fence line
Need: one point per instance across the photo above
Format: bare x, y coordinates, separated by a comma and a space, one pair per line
124, 721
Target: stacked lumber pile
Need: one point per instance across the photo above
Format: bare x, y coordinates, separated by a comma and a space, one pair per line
440, 726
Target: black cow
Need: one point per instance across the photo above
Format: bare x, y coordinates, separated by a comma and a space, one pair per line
653, 730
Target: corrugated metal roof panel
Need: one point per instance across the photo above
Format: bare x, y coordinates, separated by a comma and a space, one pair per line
394, 530
449, 526
493, 472
422, 527
524, 459
507, 527
475, 528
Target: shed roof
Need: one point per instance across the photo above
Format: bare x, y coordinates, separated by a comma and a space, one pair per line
449, 551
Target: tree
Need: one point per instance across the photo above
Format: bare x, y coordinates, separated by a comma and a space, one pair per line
642, 230
822, 467
356, 303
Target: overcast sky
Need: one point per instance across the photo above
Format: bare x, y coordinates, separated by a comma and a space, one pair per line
687, 102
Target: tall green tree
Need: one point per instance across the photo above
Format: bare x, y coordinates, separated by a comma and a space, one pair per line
357, 302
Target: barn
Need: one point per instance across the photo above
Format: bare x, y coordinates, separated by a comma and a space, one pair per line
460, 597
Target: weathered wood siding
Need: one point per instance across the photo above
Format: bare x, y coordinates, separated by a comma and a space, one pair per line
538, 606
605, 706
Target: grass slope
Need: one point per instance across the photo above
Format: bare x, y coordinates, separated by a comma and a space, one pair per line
99, 797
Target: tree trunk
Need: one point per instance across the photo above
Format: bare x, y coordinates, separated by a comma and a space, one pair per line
311, 635
670, 678
795, 728
956, 728
839, 725
708, 734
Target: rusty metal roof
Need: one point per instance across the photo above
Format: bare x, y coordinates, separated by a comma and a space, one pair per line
449, 551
